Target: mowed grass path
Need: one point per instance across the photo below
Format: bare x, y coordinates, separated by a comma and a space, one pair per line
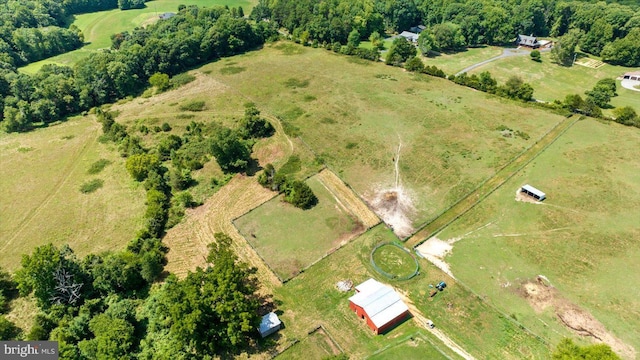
98, 27
271, 230
354, 114
553, 82
42, 172
585, 237
454, 62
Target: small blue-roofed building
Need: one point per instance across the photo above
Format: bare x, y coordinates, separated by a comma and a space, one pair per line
533, 192
269, 324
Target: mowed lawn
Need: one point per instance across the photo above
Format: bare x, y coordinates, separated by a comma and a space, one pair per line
98, 27
585, 237
355, 114
42, 172
312, 298
289, 239
454, 62
553, 82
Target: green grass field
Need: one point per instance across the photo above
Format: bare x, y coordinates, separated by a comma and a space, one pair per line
269, 229
316, 346
416, 347
454, 62
553, 82
354, 114
584, 237
395, 261
42, 172
312, 298
98, 27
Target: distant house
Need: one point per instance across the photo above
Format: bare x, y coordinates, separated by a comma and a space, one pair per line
417, 29
167, 15
379, 305
634, 75
528, 41
269, 324
533, 192
412, 37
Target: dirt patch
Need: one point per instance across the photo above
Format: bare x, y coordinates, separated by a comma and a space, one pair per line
395, 207
435, 250
541, 295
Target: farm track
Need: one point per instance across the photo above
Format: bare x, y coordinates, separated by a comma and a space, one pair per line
348, 198
69, 169
489, 186
188, 240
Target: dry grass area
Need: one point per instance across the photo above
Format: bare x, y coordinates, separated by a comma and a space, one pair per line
188, 240
347, 198
42, 172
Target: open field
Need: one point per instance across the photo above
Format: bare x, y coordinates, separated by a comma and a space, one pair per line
454, 62
98, 27
369, 123
290, 239
553, 82
42, 172
583, 239
312, 298
316, 346
416, 347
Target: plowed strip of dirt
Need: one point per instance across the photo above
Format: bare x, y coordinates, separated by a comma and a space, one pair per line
188, 240
348, 198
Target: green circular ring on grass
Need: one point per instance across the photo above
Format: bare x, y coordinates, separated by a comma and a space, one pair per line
394, 261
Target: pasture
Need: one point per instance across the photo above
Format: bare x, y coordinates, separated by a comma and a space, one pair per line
289, 239
316, 345
583, 238
312, 298
553, 82
42, 173
453, 62
409, 145
98, 27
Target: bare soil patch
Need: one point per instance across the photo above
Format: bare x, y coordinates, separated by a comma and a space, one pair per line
435, 250
541, 295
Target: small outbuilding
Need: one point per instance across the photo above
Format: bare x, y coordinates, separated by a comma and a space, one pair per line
417, 29
528, 41
412, 37
634, 75
269, 324
379, 305
167, 15
533, 192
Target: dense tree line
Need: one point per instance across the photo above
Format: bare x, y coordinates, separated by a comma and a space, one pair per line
296, 192
192, 37
610, 30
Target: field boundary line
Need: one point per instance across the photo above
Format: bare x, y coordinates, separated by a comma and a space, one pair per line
417, 238
309, 333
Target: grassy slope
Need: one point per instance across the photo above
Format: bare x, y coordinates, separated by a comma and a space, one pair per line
268, 229
554, 82
98, 27
41, 202
452, 63
354, 114
583, 238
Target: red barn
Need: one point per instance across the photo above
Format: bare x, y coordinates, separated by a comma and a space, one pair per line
379, 305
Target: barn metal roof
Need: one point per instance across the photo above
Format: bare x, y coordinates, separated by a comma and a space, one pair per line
533, 190
381, 303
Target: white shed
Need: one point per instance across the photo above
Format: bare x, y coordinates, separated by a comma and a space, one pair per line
269, 324
533, 192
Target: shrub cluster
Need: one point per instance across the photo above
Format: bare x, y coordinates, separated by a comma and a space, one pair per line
296, 192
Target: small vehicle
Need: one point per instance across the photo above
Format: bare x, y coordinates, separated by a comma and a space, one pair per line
430, 324
441, 285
